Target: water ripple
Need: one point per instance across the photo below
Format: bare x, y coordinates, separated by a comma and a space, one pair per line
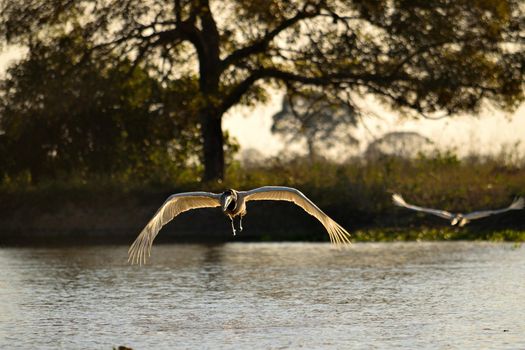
460, 295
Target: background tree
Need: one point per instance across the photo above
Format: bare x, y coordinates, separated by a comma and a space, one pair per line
58, 119
316, 119
425, 56
404, 144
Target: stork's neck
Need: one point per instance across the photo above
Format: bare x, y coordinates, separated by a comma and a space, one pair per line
239, 208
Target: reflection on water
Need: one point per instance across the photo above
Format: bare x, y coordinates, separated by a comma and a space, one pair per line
385, 295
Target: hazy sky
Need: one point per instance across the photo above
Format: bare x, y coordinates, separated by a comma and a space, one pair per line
487, 133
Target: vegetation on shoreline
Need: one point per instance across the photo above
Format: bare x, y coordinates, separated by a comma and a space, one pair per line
444, 233
356, 193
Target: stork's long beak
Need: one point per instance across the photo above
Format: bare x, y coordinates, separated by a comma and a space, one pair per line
226, 202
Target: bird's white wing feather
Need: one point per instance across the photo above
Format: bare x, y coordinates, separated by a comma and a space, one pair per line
400, 202
517, 204
173, 206
336, 233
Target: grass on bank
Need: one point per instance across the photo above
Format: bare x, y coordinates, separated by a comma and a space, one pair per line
356, 193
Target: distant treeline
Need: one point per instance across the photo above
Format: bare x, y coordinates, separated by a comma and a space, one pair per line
356, 193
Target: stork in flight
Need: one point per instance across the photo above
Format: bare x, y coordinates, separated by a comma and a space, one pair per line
458, 218
233, 204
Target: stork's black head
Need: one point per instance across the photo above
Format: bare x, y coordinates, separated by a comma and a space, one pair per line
228, 200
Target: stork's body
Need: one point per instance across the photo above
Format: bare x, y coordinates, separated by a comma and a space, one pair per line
233, 204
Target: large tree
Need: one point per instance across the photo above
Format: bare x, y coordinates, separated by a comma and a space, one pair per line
426, 56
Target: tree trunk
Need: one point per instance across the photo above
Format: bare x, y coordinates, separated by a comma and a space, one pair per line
213, 138
206, 42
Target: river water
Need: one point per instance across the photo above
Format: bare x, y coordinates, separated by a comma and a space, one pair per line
444, 295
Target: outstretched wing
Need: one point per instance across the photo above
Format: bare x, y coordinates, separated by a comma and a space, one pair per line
173, 206
517, 204
280, 193
400, 202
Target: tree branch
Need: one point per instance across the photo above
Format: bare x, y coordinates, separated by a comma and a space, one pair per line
235, 95
238, 91
261, 44
178, 12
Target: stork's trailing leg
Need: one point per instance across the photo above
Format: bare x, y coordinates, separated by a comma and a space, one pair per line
233, 226
240, 223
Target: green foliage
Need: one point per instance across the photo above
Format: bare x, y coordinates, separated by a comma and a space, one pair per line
420, 56
94, 119
437, 234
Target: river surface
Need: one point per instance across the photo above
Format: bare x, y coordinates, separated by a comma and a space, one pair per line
446, 295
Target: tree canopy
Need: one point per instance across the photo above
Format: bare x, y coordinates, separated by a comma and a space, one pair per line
57, 120
423, 56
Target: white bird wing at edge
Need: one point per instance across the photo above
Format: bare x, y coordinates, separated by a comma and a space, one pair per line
173, 206
517, 204
400, 202
337, 234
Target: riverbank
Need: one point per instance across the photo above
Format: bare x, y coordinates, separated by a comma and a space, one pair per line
356, 194
104, 217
